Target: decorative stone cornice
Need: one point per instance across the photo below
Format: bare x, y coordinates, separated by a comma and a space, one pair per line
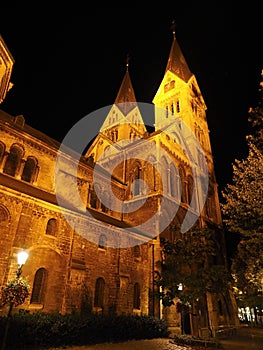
6, 66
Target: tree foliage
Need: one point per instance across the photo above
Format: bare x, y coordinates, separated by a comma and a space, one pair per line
190, 262
243, 213
243, 206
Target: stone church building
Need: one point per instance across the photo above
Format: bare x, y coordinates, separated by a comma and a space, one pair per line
91, 216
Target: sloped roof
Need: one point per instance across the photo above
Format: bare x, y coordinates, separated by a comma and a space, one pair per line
126, 100
18, 122
177, 63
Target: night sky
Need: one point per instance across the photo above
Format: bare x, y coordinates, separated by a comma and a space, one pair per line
71, 62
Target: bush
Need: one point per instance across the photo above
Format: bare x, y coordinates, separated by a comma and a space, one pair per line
44, 330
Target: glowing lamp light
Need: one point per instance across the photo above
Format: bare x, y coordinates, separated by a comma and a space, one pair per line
22, 257
180, 286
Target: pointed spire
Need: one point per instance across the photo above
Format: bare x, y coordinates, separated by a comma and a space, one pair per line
176, 61
125, 99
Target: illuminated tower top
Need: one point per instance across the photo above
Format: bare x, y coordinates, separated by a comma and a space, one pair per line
178, 95
176, 61
123, 123
126, 100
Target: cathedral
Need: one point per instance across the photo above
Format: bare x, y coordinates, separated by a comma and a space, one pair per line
90, 211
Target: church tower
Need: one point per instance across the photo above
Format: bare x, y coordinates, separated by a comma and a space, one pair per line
181, 110
181, 129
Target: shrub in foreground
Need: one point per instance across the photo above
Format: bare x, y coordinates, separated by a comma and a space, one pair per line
44, 330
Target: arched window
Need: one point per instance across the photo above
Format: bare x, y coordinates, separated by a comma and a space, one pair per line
137, 187
174, 182
94, 201
105, 202
183, 182
29, 169
165, 174
39, 286
52, 227
102, 241
166, 111
136, 296
106, 150
190, 189
3, 215
2, 151
178, 106
13, 160
99, 292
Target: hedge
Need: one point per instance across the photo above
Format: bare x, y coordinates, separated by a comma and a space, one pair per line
44, 330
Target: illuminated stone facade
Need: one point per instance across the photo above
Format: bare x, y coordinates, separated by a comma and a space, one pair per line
6, 67
103, 258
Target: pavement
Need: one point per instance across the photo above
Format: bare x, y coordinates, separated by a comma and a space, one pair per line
147, 344
246, 338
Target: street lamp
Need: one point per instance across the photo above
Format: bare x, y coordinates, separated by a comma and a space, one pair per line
180, 286
21, 260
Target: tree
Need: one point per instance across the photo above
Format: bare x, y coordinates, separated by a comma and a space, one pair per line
189, 268
255, 118
243, 198
243, 214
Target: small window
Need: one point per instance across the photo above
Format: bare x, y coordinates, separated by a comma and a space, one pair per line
102, 241
166, 111
2, 151
39, 287
220, 307
169, 86
137, 184
99, 292
178, 107
13, 160
29, 169
94, 201
189, 189
136, 296
52, 228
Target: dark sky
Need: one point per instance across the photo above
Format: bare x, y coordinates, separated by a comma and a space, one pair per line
70, 62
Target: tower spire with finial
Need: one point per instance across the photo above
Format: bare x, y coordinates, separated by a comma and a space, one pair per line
127, 61
173, 27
